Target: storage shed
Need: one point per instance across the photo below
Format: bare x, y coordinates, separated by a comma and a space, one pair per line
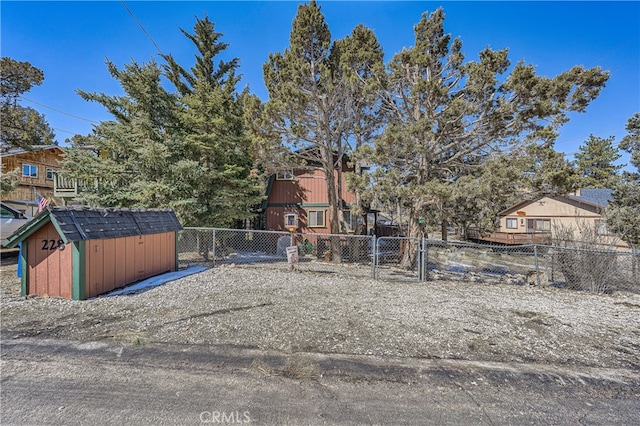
80, 252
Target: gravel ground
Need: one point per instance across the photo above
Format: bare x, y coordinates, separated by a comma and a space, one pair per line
259, 307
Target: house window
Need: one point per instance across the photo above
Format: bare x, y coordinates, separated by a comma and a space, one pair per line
350, 219
601, 227
316, 218
50, 174
543, 225
29, 170
538, 225
512, 223
285, 175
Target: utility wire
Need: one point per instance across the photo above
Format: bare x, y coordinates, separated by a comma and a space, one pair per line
141, 27
58, 111
65, 131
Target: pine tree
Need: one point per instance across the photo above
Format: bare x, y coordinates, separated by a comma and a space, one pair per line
186, 150
623, 213
216, 142
358, 66
22, 126
130, 158
447, 117
314, 100
595, 163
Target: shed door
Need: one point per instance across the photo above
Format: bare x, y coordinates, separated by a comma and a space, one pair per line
49, 264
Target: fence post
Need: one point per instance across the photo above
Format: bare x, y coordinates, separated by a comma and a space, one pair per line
424, 260
374, 257
213, 248
535, 257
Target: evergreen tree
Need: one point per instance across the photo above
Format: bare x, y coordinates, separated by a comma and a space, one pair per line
319, 104
595, 163
22, 126
129, 157
186, 150
631, 142
447, 117
217, 145
623, 213
357, 61
303, 110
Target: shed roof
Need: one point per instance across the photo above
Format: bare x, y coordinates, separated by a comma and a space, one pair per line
83, 223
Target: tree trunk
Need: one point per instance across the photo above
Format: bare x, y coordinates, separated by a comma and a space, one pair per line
443, 229
332, 195
415, 233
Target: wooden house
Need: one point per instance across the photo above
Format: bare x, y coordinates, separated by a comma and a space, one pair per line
36, 174
77, 253
535, 221
300, 195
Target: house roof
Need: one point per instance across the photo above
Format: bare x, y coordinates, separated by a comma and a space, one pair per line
17, 151
82, 223
596, 196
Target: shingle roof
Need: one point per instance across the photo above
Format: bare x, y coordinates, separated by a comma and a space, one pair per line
597, 196
96, 224
83, 223
18, 151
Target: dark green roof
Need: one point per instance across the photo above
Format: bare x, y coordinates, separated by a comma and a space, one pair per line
82, 223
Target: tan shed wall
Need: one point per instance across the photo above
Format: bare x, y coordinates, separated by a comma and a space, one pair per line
49, 271
116, 262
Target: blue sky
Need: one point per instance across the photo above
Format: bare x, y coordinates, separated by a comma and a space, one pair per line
70, 41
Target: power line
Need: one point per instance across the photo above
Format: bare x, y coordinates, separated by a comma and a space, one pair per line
65, 131
58, 111
141, 27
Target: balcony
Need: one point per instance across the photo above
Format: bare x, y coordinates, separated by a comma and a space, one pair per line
64, 187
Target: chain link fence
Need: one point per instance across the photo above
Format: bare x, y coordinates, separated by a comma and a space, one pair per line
409, 259
455, 261
600, 271
398, 259
268, 249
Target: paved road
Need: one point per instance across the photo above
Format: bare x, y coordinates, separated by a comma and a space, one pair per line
69, 383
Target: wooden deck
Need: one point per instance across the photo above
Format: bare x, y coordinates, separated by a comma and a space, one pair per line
511, 238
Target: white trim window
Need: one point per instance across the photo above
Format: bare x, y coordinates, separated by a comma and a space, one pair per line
601, 227
285, 175
316, 218
29, 170
512, 223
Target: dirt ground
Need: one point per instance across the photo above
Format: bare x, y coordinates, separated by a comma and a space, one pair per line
274, 309
283, 347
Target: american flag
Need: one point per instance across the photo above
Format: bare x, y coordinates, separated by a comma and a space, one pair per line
42, 202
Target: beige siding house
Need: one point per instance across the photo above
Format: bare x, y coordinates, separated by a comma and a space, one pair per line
535, 221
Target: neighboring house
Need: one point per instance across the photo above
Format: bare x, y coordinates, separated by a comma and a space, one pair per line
301, 194
534, 221
36, 175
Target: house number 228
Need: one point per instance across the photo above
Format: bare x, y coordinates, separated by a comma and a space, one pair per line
52, 244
